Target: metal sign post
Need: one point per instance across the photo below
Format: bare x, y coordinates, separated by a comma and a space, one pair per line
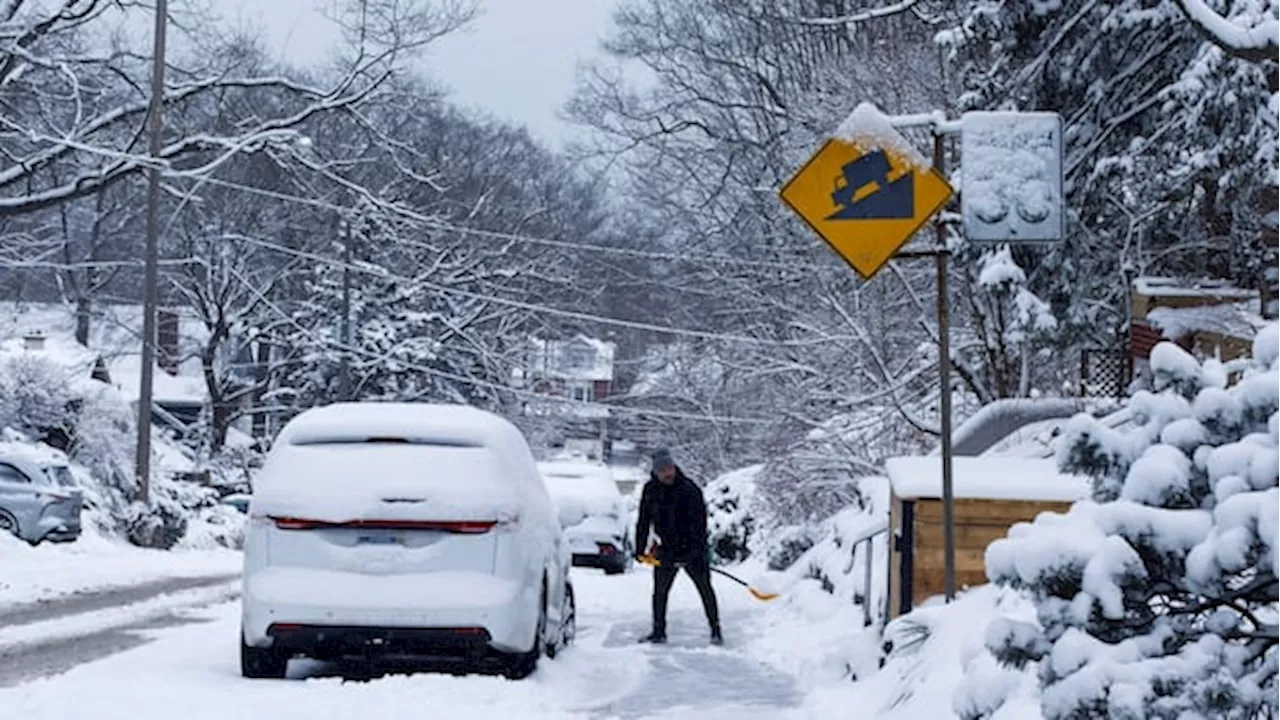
866, 192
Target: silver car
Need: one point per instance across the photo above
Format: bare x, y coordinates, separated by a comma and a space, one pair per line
38, 501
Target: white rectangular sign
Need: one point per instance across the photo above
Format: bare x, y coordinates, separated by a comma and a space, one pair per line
1011, 176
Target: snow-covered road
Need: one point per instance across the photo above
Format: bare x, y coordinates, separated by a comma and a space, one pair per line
187, 666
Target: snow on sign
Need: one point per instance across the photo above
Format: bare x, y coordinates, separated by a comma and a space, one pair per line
866, 191
1011, 176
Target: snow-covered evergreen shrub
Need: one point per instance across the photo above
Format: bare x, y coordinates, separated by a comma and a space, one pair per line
790, 544
1158, 597
731, 520
34, 395
159, 525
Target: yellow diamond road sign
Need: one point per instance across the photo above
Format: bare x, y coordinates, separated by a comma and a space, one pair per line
866, 197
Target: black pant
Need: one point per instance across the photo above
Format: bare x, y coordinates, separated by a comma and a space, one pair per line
664, 576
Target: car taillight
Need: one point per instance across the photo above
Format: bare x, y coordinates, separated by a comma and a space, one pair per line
461, 527
53, 496
607, 548
288, 523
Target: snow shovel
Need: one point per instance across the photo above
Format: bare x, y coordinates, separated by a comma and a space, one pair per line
755, 592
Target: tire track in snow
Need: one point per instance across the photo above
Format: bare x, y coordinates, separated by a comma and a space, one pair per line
63, 639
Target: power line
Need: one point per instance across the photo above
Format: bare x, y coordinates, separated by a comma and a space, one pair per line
438, 224
476, 382
536, 308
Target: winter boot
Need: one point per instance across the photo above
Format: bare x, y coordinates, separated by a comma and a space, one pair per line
657, 637
716, 637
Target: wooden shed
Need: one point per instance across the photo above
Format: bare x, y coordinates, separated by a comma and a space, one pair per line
991, 494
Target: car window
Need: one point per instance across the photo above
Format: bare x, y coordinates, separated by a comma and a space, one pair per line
9, 473
60, 475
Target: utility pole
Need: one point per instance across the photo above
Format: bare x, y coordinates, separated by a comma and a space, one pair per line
944, 377
155, 123
345, 388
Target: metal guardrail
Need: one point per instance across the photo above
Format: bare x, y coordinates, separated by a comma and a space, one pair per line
867, 538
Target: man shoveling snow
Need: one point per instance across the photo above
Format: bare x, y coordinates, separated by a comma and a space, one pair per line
674, 507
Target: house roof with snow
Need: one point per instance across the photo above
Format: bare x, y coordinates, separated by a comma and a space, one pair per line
1180, 288
986, 478
1239, 320
579, 358
114, 337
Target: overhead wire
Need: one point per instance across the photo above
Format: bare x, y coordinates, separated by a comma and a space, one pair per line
438, 224
477, 382
534, 307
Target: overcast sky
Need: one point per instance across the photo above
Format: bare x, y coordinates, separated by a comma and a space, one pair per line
516, 61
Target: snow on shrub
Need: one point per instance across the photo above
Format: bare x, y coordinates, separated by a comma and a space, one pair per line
731, 514
790, 544
35, 395
835, 561
1158, 597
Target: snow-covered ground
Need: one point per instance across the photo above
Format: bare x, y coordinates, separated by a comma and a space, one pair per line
93, 563
783, 660
193, 670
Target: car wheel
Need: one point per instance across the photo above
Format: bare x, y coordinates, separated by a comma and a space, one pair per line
262, 663
568, 623
569, 618
8, 523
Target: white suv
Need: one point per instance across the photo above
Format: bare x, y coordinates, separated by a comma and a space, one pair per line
402, 531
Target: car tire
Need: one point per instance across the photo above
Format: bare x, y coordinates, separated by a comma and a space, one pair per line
568, 623
262, 663
9, 524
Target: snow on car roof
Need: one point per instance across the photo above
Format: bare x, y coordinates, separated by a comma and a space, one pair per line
412, 422
986, 478
563, 475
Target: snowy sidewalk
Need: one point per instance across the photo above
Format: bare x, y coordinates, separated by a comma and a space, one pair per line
92, 564
687, 676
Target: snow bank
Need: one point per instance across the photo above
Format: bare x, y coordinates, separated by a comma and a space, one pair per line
924, 671
827, 584
95, 562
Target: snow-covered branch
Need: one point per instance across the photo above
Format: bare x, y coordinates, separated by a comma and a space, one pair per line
854, 18
1251, 34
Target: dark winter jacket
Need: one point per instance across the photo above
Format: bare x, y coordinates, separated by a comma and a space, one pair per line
678, 515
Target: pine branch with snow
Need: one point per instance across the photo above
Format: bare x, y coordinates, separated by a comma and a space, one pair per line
1158, 597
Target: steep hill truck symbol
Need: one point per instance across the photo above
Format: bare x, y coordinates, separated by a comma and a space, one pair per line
868, 194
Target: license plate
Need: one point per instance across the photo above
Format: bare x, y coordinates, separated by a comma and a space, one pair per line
378, 539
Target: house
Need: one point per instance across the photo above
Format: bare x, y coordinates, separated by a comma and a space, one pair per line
114, 350
1209, 318
577, 372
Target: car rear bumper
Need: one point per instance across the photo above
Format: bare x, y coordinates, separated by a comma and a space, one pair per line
617, 561
57, 529
331, 642
427, 603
